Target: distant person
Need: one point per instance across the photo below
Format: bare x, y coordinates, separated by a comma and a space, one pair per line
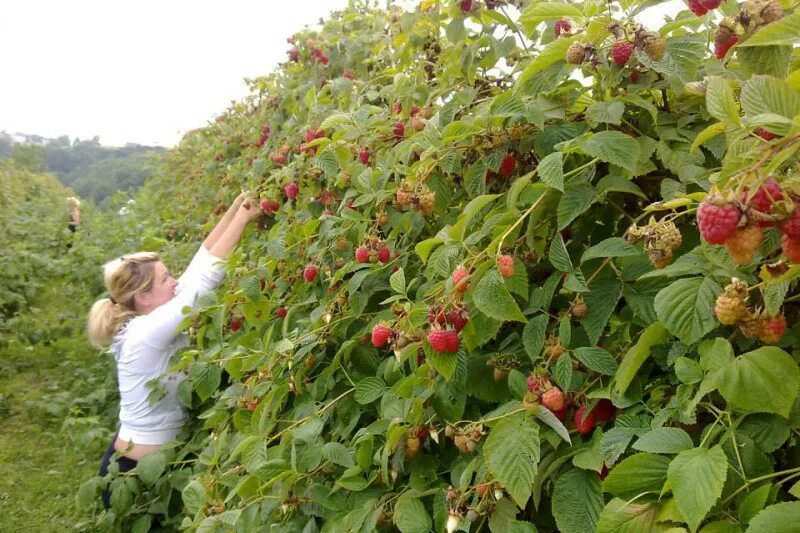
74, 213
139, 321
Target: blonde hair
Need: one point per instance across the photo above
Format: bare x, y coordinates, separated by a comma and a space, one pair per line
73, 202
124, 279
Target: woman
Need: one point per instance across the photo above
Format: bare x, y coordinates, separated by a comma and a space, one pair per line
140, 320
74, 213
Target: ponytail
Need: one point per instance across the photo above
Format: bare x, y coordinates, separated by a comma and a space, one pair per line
101, 323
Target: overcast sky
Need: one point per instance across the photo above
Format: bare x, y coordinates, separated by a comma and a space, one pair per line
143, 71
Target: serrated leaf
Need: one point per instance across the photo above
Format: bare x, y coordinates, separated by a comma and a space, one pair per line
778, 518
512, 456
621, 516
397, 281
765, 380
655, 333
637, 474
251, 287
610, 112
720, 101
601, 301
547, 417
707, 134
205, 379
339, 454
765, 94
562, 371
597, 359
611, 247
577, 501
533, 336
369, 389
410, 516
150, 467
785, 31
686, 306
575, 200
664, 440
551, 170
492, 298
538, 12
559, 257
697, 477
507, 105
613, 147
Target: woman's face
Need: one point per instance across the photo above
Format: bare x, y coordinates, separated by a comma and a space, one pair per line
162, 291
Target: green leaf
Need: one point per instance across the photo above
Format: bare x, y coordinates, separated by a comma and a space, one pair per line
150, 467
205, 379
611, 247
721, 526
720, 101
765, 94
778, 518
613, 147
686, 308
551, 170
339, 454
397, 281
492, 298
444, 363
621, 516
765, 380
538, 12
559, 257
597, 359
575, 200
609, 112
474, 206
768, 431
546, 416
194, 496
577, 501
754, 502
664, 440
507, 105
765, 60
697, 477
785, 31
369, 389
512, 456
562, 371
533, 336
552, 53
410, 516
637, 474
601, 301
655, 333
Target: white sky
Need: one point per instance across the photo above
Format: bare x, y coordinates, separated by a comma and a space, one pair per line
143, 71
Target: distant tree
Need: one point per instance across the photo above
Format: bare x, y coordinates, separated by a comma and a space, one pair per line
28, 156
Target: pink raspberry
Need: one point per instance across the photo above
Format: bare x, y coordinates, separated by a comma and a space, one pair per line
621, 52
791, 226
717, 222
561, 26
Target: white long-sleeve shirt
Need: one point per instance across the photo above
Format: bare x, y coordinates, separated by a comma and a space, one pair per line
143, 348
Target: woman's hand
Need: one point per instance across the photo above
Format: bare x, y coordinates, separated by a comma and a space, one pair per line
249, 208
238, 200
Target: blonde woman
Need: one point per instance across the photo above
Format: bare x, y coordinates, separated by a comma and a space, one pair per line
74, 213
139, 321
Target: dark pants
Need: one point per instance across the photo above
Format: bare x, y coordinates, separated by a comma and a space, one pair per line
126, 464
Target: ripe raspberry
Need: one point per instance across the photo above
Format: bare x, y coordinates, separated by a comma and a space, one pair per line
290, 190
348, 74
236, 324
362, 255
717, 222
561, 26
458, 318
363, 156
381, 334
710, 4
730, 309
459, 283
309, 273
605, 410
721, 48
281, 312
399, 130
553, 399
584, 422
575, 54
505, 264
655, 46
772, 329
766, 195
791, 225
444, 340
384, 255
465, 5
791, 248
508, 165
744, 243
766, 135
294, 54
697, 8
437, 315
621, 52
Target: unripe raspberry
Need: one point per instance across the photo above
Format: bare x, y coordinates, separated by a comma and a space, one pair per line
744, 243
655, 46
791, 248
459, 282
412, 446
717, 222
575, 54
505, 265
579, 309
553, 399
730, 309
621, 52
537, 383
772, 329
499, 374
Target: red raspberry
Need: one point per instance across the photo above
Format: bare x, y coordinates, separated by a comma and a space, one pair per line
363, 156
444, 340
772, 329
381, 334
717, 222
458, 318
507, 166
294, 54
553, 399
281, 312
584, 422
236, 323
603, 472
397, 108
621, 52
721, 48
309, 273
766, 135
290, 190
458, 279
791, 225
710, 4
384, 255
348, 75
605, 410
362, 255
465, 5
399, 130
436, 315
697, 7
536, 383
766, 195
791, 248
744, 243
505, 264
561, 26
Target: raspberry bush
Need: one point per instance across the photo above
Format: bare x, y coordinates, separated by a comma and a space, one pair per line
513, 321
